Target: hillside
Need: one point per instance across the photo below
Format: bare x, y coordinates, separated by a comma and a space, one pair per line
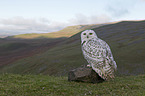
12, 50
16, 47
126, 39
40, 85
66, 32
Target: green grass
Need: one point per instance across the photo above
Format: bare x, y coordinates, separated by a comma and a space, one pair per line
42, 85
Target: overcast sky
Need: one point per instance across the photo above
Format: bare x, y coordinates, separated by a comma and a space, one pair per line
41, 16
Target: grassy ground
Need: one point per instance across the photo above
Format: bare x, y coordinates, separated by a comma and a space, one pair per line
42, 85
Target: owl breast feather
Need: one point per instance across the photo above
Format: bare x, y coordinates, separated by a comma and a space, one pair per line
94, 49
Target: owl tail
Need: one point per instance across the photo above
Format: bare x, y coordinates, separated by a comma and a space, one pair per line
99, 72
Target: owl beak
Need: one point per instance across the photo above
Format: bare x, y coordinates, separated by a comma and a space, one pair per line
87, 36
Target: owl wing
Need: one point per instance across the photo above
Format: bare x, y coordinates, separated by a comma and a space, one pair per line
109, 56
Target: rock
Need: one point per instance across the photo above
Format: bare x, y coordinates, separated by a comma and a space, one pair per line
84, 75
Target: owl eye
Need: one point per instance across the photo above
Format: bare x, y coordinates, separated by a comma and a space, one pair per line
90, 33
84, 34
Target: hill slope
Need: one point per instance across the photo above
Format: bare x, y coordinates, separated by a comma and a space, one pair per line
14, 49
39, 85
21, 46
126, 39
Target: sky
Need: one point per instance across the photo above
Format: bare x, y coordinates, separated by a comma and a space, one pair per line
42, 16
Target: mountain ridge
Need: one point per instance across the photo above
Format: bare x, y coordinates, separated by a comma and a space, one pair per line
66, 32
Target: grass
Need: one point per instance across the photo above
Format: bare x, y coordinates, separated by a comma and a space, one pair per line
42, 85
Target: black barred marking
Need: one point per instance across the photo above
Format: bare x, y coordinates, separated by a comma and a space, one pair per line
83, 42
94, 49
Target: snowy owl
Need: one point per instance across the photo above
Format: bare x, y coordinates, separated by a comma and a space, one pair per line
98, 54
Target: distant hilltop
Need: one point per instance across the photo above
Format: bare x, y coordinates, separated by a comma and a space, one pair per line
3, 36
66, 32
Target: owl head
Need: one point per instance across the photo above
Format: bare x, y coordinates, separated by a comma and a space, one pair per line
87, 35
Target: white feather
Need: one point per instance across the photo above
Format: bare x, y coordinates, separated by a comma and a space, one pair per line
98, 54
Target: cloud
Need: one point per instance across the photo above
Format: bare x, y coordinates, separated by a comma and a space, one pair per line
94, 19
117, 11
120, 8
20, 25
